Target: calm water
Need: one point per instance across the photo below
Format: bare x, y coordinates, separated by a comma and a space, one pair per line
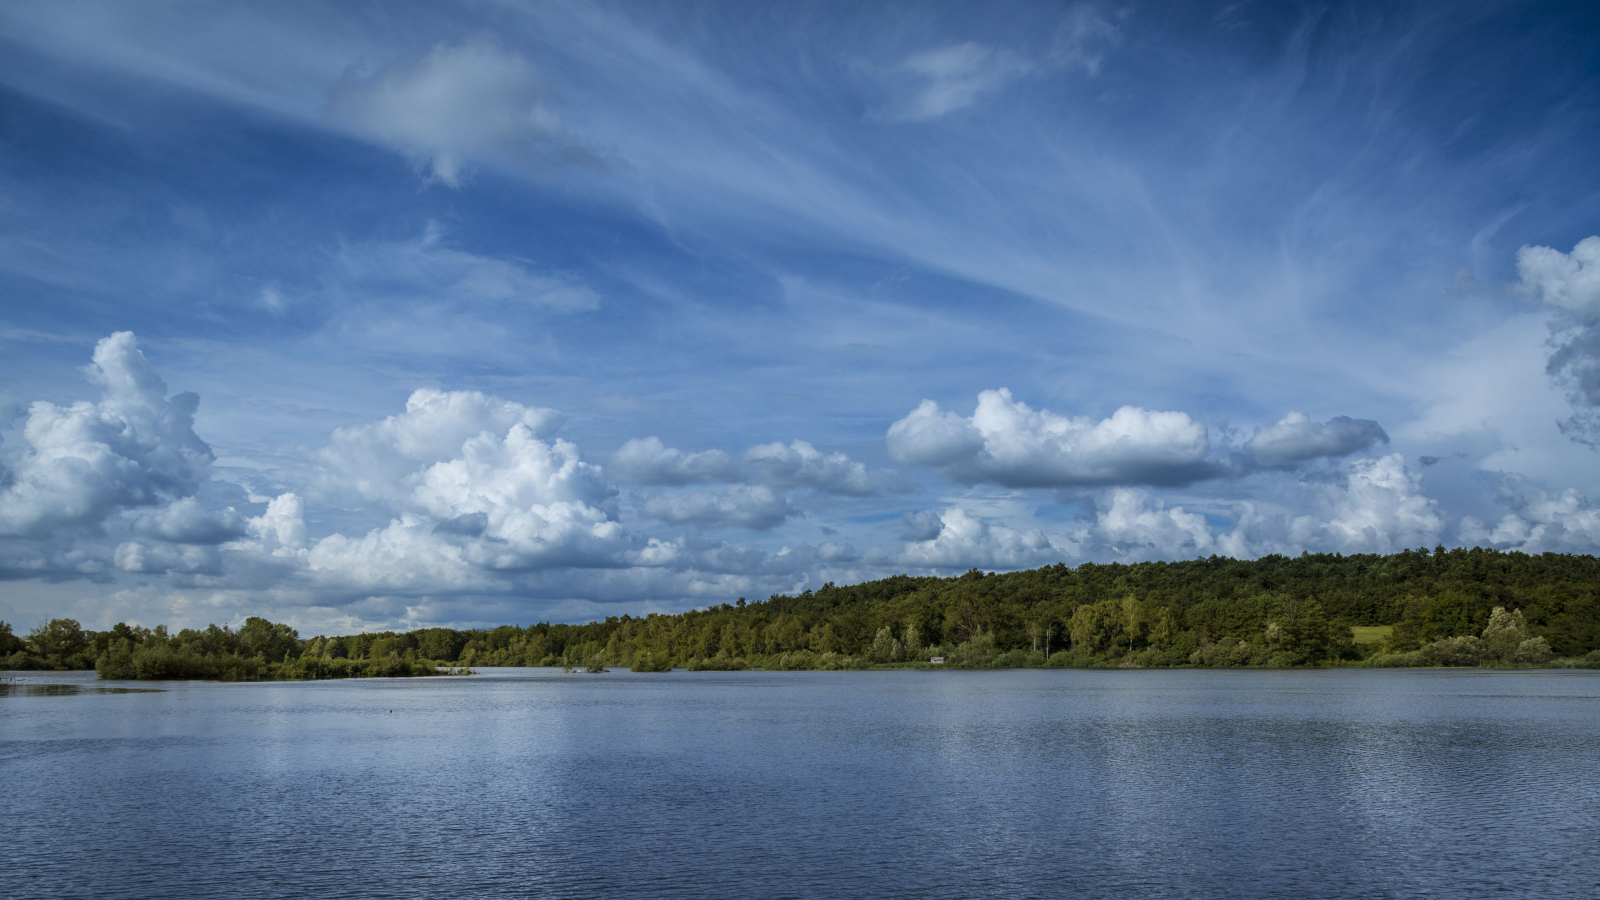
530, 783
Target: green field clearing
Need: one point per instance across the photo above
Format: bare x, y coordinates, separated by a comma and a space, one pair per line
1372, 634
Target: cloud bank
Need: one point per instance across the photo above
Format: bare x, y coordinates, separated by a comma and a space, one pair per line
468, 495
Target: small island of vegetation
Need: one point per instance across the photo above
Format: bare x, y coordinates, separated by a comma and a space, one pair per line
258, 651
1414, 608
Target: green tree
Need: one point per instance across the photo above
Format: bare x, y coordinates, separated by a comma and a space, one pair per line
274, 642
61, 642
1094, 626
9, 643
884, 647
1504, 634
1132, 620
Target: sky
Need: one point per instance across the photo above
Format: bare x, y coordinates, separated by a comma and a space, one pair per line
363, 316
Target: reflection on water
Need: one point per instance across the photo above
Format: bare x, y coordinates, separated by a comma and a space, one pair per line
11, 688
1175, 784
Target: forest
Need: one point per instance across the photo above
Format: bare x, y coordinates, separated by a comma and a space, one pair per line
1442, 607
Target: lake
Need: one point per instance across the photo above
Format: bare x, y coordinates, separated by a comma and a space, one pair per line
926, 784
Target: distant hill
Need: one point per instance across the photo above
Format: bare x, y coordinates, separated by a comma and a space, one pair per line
1218, 611
1439, 607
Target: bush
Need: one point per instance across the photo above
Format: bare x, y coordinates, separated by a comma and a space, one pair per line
718, 663
796, 660
1018, 659
1533, 651
1411, 659
649, 661
1455, 651
978, 653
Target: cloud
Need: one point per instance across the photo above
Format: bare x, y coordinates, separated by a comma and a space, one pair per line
374, 460
166, 559
1083, 40
1540, 521
542, 504
136, 447
1006, 442
406, 556
1378, 507
1381, 508
966, 541
955, 77
1132, 524
1566, 281
281, 528
797, 464
466, 525
921, 526
499, 505
477, 494
428, 269
648, 461
744, 506
459, 103
943, 80
1295, 439
1569, 284
187, 521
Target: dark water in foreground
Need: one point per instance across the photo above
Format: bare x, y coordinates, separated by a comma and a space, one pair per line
529, 783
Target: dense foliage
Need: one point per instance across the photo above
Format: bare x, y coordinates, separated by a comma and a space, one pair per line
1455, 607
1279, 611
258, 650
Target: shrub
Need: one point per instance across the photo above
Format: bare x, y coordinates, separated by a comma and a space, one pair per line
649, 661
1533, 651
1455, 651
718, 663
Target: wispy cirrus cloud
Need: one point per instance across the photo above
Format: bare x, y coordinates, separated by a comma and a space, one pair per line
941, 80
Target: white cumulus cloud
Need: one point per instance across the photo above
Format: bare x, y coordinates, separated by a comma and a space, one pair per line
1006, 442
1569, 284
798, 464
135, 447
1540, 521
967, 541
376, 459
649, 461
1380, 509
1135, 525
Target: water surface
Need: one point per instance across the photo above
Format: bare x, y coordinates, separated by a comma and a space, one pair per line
1041, 783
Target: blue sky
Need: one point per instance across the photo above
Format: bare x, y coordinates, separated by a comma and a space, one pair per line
502, 312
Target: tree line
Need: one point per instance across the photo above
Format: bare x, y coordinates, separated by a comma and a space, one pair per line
1439, 607
258, 650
